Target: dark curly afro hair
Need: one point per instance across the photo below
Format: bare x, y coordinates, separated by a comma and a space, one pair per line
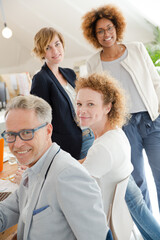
108, 11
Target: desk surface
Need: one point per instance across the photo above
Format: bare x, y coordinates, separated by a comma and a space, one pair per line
8, 169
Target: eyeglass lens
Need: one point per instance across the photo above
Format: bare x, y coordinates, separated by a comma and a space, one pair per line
109, 30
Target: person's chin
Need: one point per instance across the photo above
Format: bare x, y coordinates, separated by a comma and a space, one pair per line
84, 125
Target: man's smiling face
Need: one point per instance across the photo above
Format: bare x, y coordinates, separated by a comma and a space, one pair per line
27, 152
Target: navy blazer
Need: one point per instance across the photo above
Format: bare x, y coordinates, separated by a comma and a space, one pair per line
66, 133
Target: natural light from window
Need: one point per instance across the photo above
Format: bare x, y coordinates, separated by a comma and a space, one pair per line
149, 9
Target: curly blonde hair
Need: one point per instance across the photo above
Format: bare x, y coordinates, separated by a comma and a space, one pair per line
42, 38
110, 12
111, 92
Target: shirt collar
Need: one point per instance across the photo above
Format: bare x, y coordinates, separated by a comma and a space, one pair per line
36, 168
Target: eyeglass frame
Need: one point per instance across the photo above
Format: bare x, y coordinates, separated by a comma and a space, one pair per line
109, 29
33, 130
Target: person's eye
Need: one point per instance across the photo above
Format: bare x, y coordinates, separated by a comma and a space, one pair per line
26, 132
101, 32
8, 135
110, 28
79, 104
57, 44
90, 104
47, 48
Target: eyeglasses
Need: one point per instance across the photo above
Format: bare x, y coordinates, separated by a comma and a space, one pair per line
25, 135
109, 29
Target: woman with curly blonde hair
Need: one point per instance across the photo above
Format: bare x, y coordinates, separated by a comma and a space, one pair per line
111, 93
101, 105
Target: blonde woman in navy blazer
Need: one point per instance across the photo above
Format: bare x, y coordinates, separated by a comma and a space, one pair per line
50, 83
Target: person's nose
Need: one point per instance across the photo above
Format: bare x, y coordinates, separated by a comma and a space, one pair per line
106, 33
54, 50
83, 110
18, 142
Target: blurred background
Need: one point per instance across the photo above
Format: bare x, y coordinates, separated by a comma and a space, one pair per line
26, 17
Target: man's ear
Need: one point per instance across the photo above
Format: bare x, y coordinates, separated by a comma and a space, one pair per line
49, 129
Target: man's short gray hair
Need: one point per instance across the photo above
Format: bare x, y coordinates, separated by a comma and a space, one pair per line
30, 102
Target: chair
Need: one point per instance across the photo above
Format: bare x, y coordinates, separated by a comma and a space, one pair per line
120, 220
9, 234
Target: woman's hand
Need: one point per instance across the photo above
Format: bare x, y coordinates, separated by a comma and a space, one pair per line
82, 160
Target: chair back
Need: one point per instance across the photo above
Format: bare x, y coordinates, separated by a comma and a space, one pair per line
120, 220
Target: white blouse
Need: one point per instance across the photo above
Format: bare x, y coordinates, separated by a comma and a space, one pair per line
109, 161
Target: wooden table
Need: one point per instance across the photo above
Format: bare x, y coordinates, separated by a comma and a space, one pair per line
8, 170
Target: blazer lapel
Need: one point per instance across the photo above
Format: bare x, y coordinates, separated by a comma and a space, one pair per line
61, 89
72, 83
38, 186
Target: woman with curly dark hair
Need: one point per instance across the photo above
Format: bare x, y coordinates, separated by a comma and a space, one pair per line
131, 65
116, 22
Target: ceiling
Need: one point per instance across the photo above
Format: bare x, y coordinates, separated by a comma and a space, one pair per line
26, 17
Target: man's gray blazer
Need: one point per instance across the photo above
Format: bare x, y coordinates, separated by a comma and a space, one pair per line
65, 203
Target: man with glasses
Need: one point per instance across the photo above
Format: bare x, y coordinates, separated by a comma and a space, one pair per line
57, 198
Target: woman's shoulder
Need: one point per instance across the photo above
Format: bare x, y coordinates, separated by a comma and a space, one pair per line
133, 45
116, 135
41, 80
94, 56
40, 73
68, 71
